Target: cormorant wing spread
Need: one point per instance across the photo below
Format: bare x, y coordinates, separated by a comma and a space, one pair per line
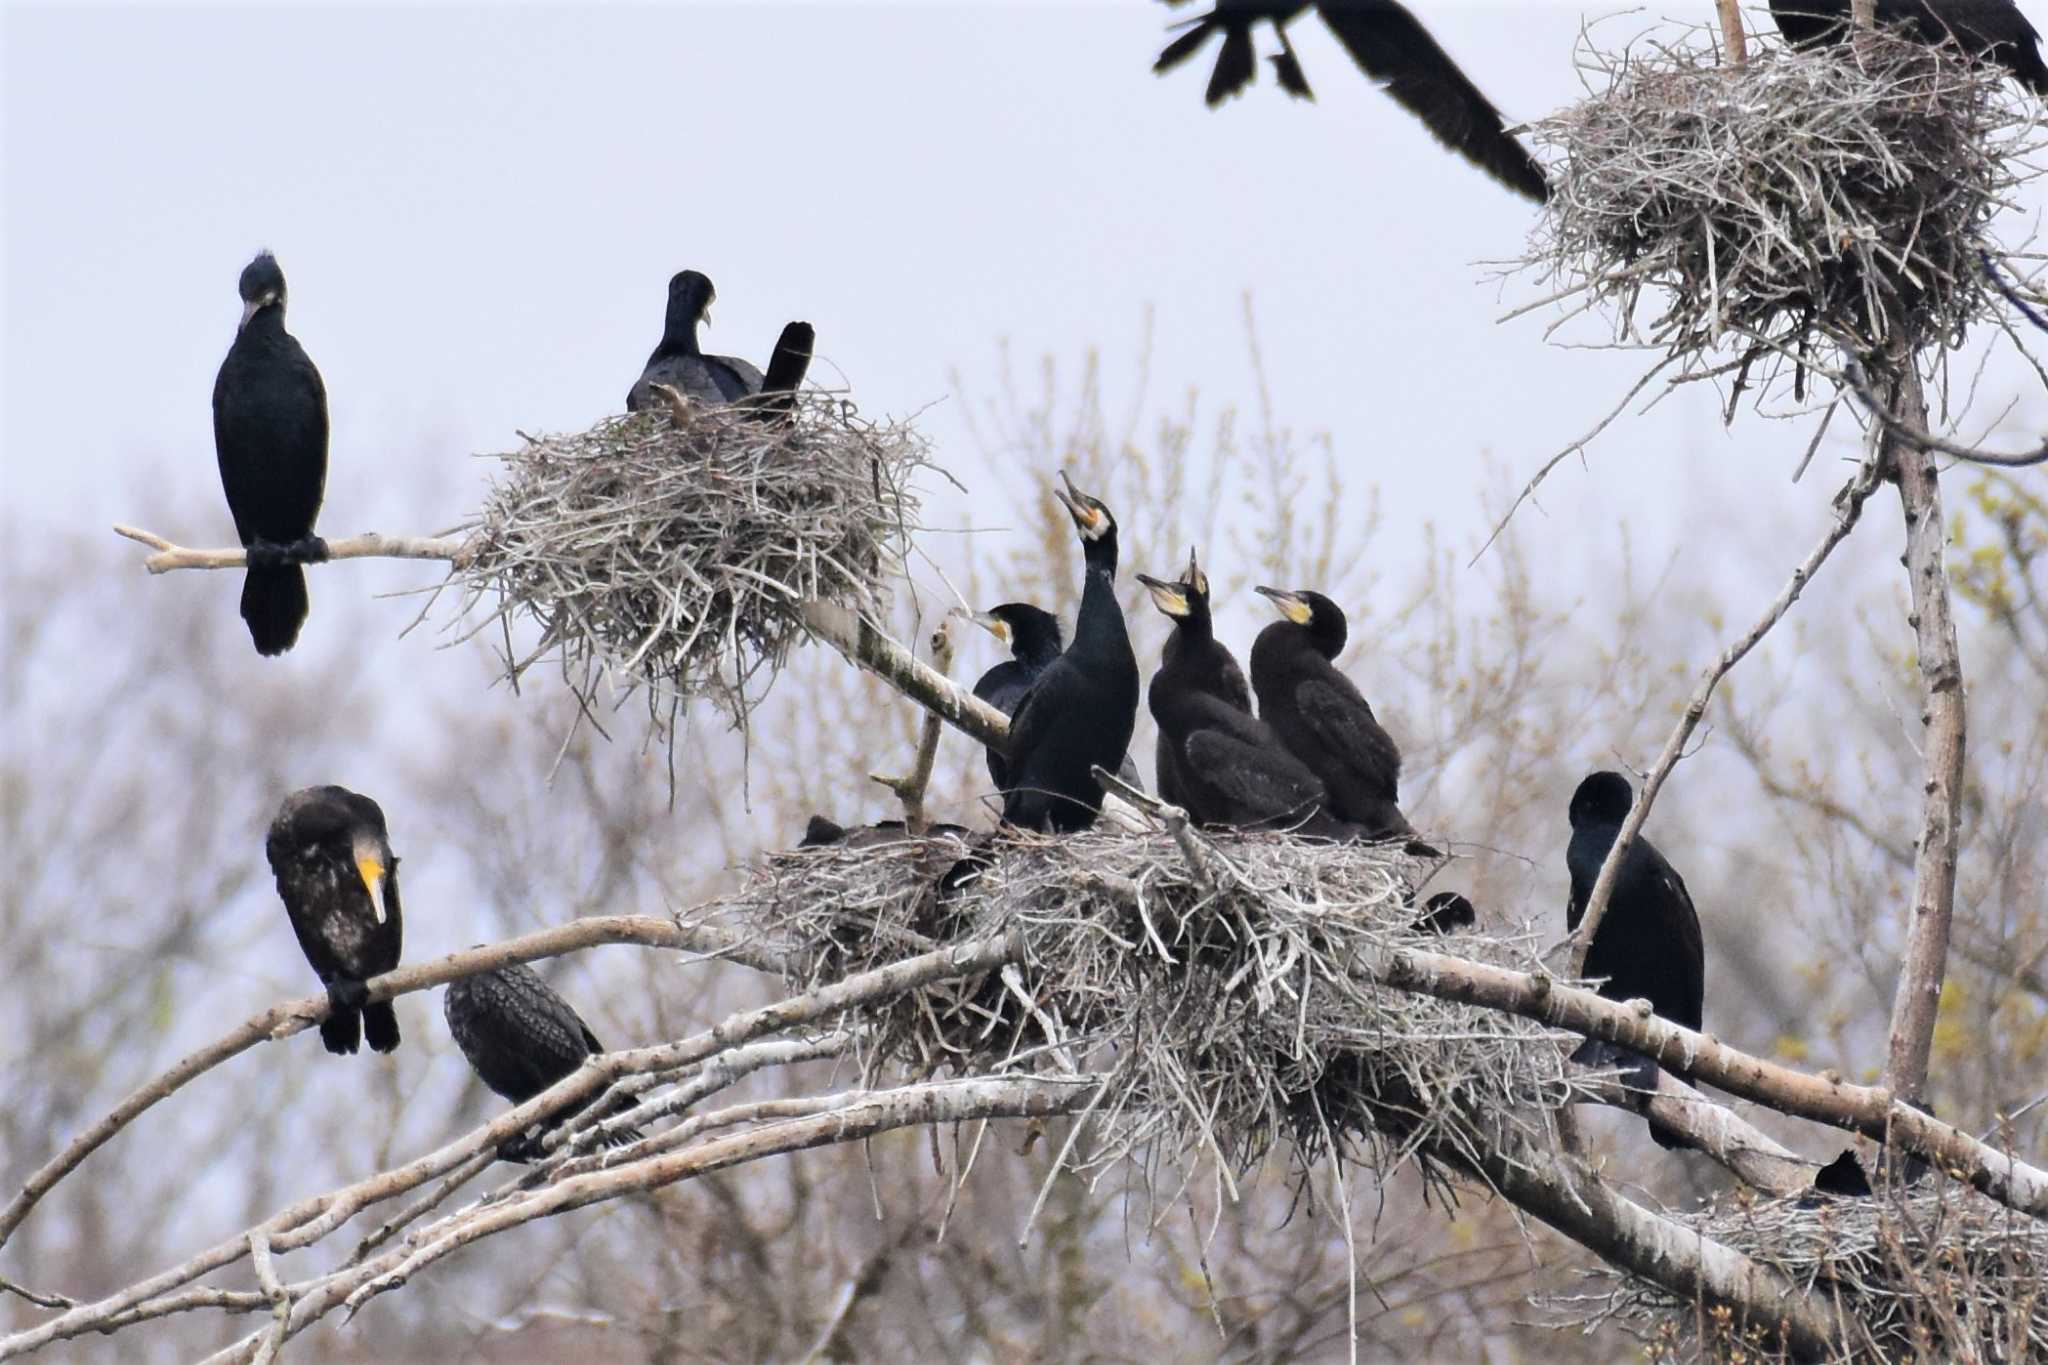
338, 879
1392, 47
1993, 29
270, 438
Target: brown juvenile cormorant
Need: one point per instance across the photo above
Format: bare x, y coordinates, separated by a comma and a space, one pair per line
1648, 943
1321, 717
1081, 712
338, 878
521, 1037
270, 437
1194, 653
679, 363
1981, 28
1393, 49
1227, 767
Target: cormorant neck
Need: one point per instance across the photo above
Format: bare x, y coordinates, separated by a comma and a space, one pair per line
267, 320
1100, 617
679, 337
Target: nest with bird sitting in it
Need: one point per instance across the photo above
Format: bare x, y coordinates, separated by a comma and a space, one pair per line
1838, 198
672, 551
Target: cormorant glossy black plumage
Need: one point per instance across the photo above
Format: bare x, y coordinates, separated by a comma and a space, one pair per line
1994, 29
1081, 711
787, 366
1192, 653
1321, 716
520, 1037
1394, 50
679, 363
1648, 944
270, 437
1227, 767
1033, 635
338, 879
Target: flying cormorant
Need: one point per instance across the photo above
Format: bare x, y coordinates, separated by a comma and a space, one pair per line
1394, 50
270, 436
678, 362
1081, 711
1227, 767
1982, 28
1321, 717
338, 878
520, 1038
1193, 653
1648, 943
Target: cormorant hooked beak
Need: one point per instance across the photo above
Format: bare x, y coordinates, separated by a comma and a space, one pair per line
257, 305
1290, 604
1170, 598
1196, 579
1089, 515
370, 867
990, 622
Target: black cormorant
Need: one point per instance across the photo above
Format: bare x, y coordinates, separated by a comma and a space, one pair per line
520, 1038
1982, 28
787, 366
1033, 635
1393, 49
678, 362
338, 878
1227, 767
1321, 717
1648, 943
1081, 711
1194, 653
270, 436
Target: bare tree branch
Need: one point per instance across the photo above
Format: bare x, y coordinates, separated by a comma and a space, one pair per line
1925, 963
1913, 431
1731, 31
1848, 503
910, 789
369, 545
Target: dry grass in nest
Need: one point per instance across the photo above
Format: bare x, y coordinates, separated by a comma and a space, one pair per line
1801, 200
1933, 1273
672, 553
1233, 1007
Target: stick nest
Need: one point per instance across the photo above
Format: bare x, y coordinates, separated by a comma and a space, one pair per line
672, 551
1803, 198
1232, 1005
1936, 1272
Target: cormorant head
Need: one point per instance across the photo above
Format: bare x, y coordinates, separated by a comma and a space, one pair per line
1029, 631
1324, 619
1174, 599
1091, 516
689, 300
262, 285
348, 828
1603, 798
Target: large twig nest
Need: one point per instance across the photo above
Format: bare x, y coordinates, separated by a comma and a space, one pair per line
1235, 1007
672, 551
1803, 198
1935, 1272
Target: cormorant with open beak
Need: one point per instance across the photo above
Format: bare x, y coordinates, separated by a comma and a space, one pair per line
1082, 710
338, 879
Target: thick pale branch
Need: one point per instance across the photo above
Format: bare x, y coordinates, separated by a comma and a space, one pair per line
1848, 502
1925, 964
369, 545
294, 1016
1736, 48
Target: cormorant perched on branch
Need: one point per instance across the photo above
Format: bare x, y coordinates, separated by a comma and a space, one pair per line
338, 878
520, 1038
1194, 654
1981, 28
1648, 944
1082, 710
678, 362
270, 437
1321, 717
1393, 49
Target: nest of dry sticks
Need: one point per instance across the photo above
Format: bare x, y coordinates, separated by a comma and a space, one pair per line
1225, 987
671, 552
1802, 200
1935, 1272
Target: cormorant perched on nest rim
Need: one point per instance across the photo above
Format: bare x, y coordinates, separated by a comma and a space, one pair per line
521, 1037
679, 363
1394, 50
1194, 655
338, 879
1033, 636
1993, 29
270, 438
1648, 944
1081, 712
